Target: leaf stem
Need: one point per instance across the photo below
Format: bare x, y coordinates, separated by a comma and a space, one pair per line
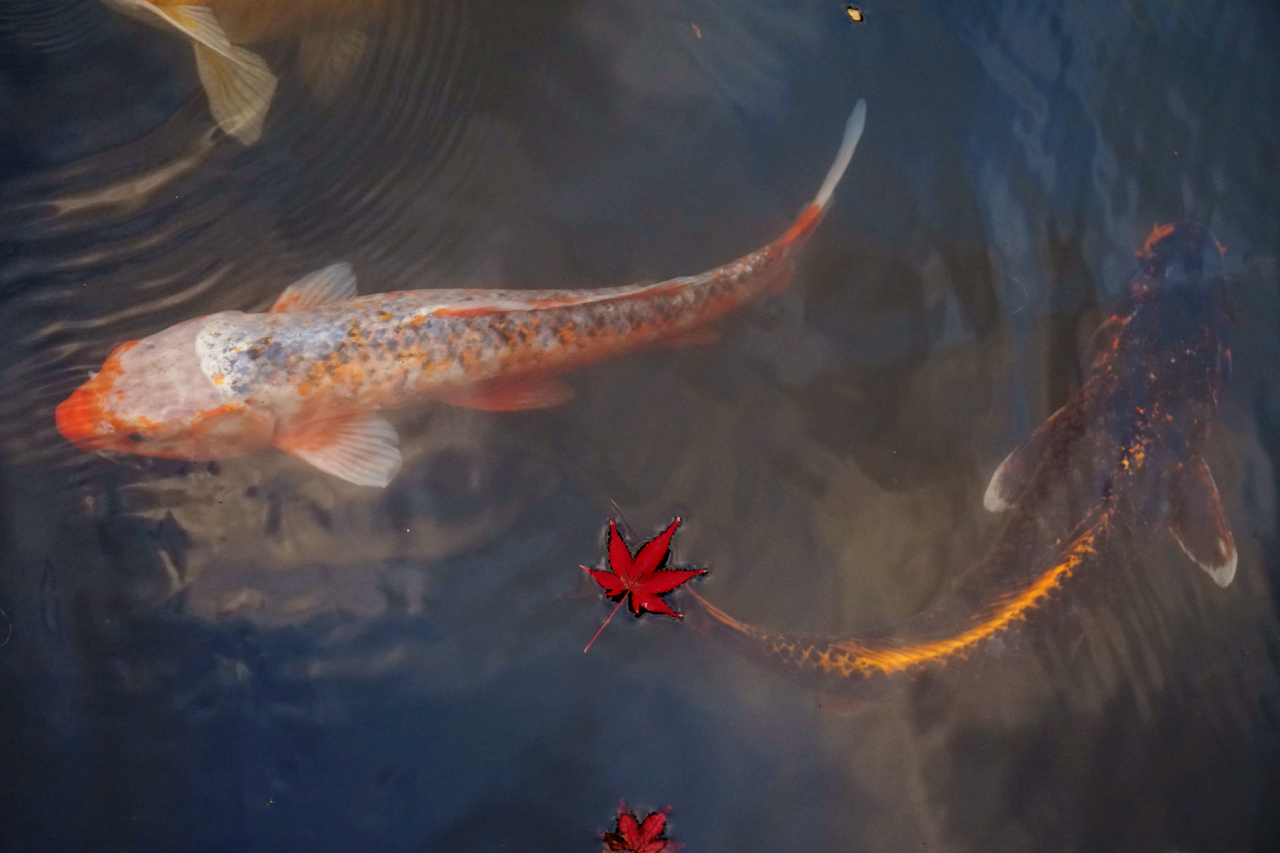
606, 622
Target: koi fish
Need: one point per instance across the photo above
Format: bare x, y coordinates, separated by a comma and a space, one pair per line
1115, 465
237, 81
311, 374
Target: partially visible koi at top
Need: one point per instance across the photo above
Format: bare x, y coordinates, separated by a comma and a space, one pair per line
236, 80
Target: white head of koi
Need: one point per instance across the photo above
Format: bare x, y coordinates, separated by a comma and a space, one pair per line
152, 398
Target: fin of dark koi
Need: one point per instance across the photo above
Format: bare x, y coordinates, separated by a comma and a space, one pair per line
332, 284
1019, 465
514, 396
238, 82
361, 449
327, 59
1199, 523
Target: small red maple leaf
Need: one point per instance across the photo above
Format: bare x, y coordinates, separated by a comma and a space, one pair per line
642, 580
641, 836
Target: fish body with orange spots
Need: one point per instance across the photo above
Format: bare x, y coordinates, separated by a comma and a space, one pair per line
311, 375
1091, 487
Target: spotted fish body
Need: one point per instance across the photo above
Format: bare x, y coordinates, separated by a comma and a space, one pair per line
1090, 489
393, 349
311, 375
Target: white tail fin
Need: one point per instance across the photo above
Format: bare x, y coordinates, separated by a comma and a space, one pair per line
238, 82
852, 133
811, 215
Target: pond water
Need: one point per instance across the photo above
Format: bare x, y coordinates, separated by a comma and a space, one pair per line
252, 655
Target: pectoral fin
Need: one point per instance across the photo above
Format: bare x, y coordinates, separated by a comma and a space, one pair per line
1021, 463
327, 59
361, 449
514, 396
237, 81
332, 284
1199, 523
240, 89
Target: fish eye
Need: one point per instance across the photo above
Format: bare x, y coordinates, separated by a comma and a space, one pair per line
137, 436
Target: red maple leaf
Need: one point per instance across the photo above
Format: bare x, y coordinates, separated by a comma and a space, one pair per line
640, 836
642, 580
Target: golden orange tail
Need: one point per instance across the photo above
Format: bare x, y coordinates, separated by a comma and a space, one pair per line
936, 636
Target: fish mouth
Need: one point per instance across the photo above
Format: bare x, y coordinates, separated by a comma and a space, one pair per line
78, 417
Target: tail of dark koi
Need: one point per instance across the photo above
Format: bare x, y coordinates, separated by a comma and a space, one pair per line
826, 662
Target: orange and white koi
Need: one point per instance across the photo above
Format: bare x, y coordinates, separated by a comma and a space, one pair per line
237, 81
311, 375
1092, 486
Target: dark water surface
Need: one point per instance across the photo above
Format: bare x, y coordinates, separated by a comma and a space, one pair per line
254, 656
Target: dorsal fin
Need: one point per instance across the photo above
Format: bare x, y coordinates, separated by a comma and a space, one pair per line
331, 284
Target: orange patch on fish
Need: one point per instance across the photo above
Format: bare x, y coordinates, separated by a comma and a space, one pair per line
849, 657
464, 311
802, 226
82, 415
1157, 234
1015, 608
286, 303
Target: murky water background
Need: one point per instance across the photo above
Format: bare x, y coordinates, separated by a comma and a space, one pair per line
251, 655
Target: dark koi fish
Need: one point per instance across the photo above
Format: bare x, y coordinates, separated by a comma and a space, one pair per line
1110, 469
311, 375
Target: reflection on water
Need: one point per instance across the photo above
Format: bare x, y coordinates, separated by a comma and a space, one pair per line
249, 655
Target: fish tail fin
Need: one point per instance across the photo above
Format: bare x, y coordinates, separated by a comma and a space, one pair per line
808, 219
239, 87
828, 664
812, 658
238, 82
719, 616
852, 134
